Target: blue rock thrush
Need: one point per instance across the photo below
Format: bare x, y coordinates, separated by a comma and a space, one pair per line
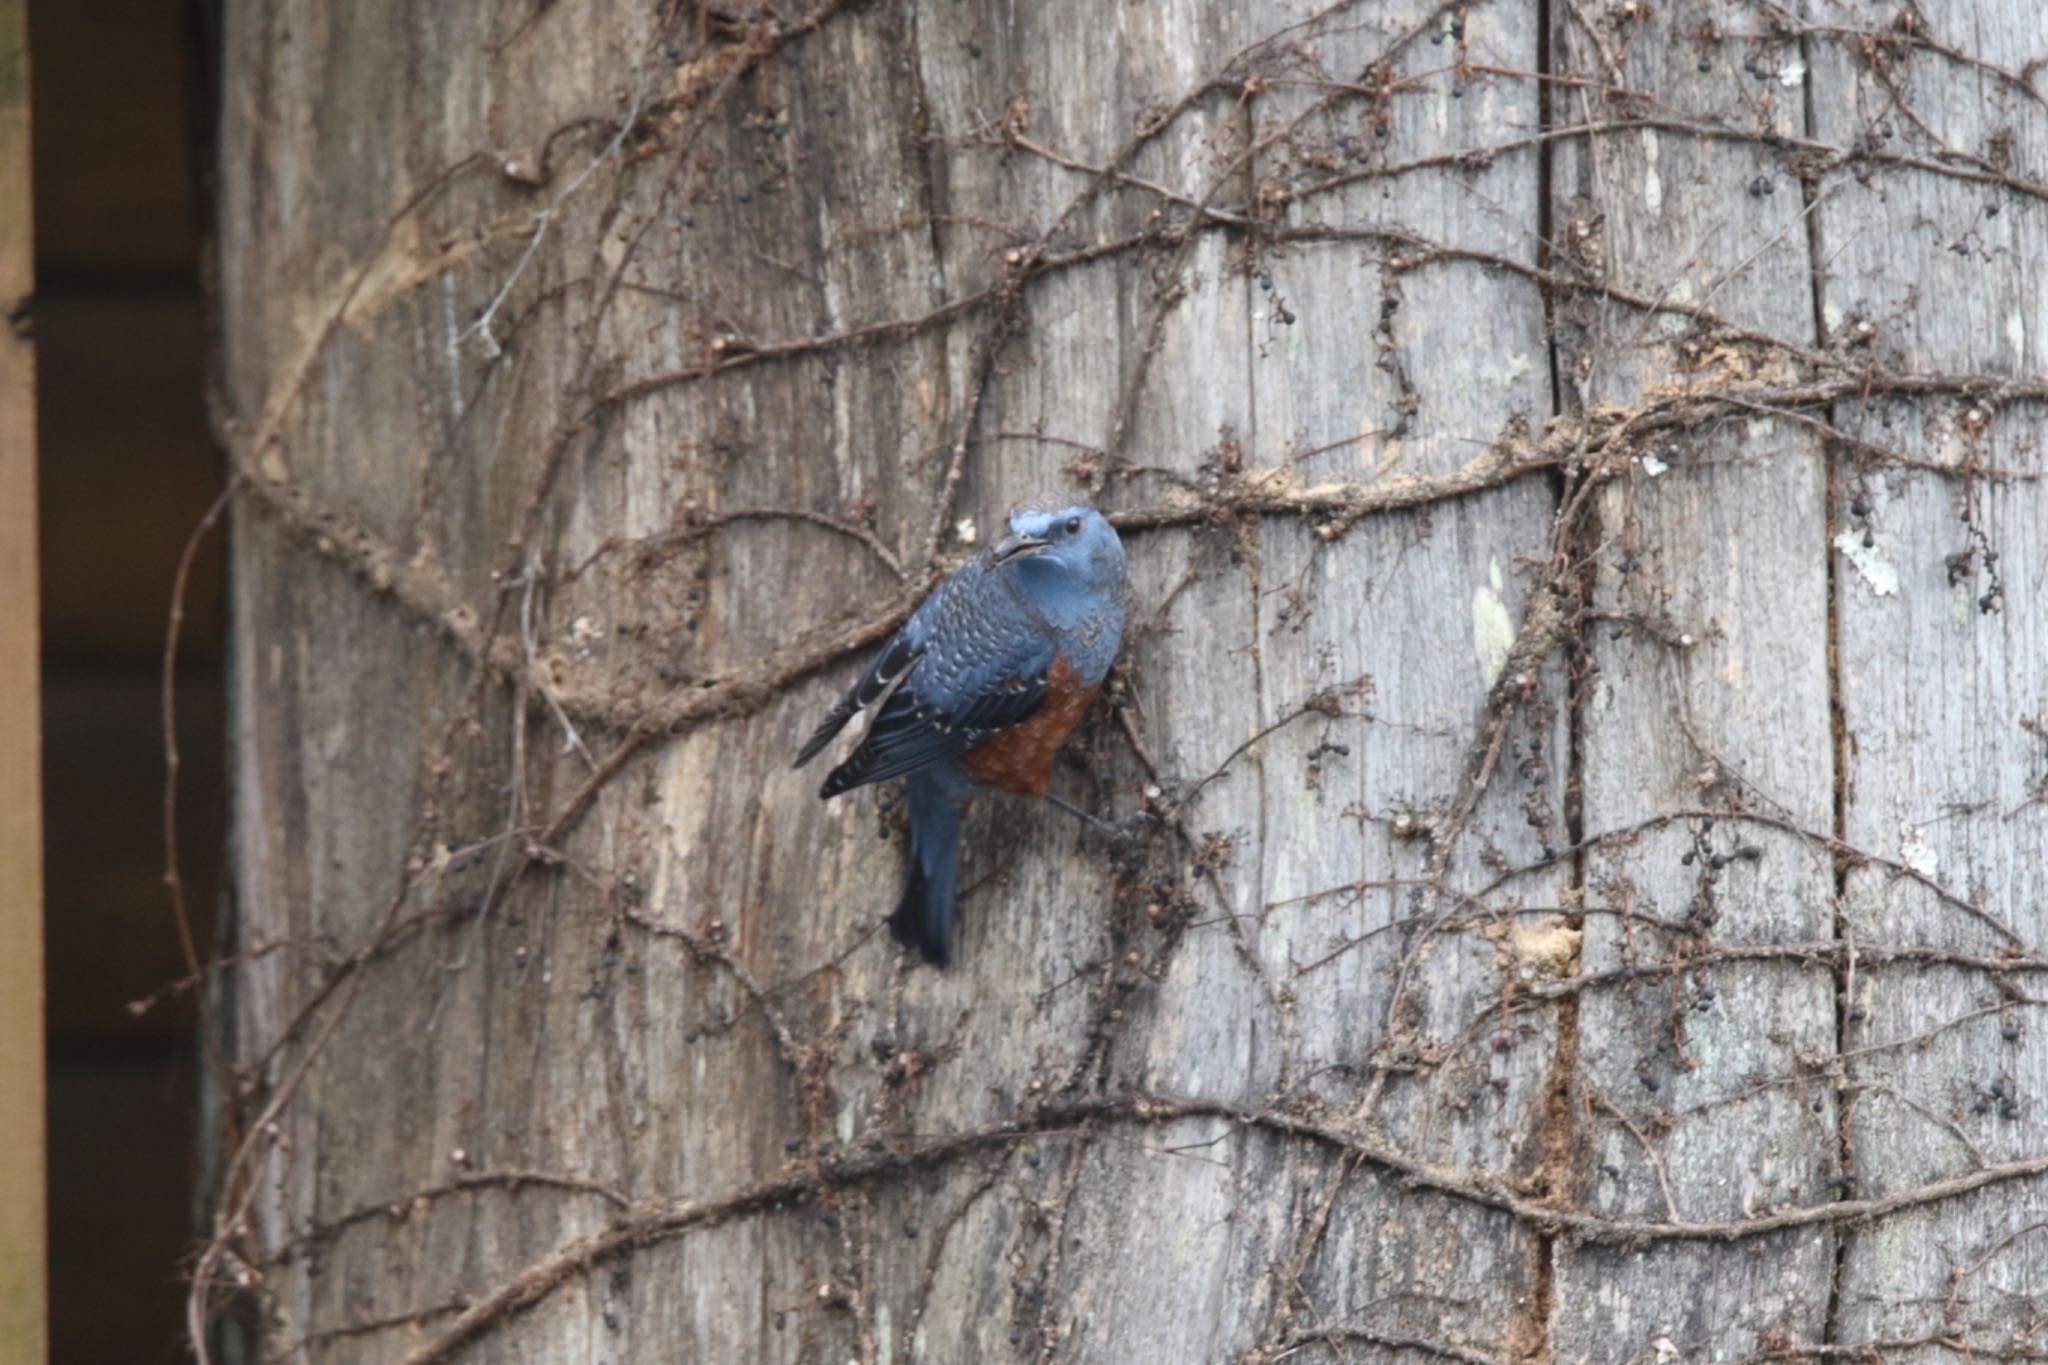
979, 689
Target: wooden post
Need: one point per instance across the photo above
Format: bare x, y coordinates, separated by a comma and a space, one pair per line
1582, 721
22, 1297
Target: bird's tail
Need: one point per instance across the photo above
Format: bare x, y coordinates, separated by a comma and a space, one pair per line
924, 916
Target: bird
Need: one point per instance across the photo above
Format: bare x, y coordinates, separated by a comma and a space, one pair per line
978, 690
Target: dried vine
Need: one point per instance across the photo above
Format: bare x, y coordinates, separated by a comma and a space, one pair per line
1271, 179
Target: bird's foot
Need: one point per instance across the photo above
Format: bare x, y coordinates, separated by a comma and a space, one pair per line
1123, 836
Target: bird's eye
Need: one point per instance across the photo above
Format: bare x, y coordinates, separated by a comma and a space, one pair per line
1073, 526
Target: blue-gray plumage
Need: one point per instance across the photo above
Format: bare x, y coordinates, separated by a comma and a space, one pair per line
979, 689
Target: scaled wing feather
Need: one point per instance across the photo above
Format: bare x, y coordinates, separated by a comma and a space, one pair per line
882, 677
925, 720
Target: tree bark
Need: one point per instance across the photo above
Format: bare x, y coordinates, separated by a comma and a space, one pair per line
1582, 733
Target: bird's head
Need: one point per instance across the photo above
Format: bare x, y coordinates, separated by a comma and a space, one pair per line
1055, 549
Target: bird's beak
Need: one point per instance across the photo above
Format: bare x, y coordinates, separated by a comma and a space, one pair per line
1016, 543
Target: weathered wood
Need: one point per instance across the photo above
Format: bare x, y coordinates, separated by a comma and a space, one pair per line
1468, 983
23, 1281
1365, 369
1942, 592
1705, 686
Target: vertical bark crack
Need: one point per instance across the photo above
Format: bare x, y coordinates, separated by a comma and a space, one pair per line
1844, 968
1530, 1337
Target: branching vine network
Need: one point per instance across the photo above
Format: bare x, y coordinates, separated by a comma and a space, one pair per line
1725, 372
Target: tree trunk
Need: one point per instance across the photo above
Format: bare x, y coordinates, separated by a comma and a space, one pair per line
1583, 729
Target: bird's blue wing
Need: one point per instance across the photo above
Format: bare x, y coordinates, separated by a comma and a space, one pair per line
896, 658
972, 680
894, 661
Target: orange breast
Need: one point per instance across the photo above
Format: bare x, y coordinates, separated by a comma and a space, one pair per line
1019, 760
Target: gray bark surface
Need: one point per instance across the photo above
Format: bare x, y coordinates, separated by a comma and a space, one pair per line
1580, 895
1727, 547
1944, 684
